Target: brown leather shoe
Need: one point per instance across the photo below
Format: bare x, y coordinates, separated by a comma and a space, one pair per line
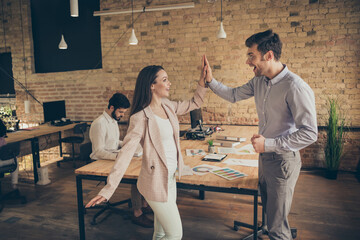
147, 210
143, 221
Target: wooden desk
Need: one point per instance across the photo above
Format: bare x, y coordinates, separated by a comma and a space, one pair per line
33, 136
100, 169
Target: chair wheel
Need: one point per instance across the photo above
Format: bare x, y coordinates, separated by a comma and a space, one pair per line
236, 228
294, 233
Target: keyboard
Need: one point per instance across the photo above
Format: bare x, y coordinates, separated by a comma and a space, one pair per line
59, 124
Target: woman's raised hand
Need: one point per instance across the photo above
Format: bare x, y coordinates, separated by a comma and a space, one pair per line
208, 76
203, 72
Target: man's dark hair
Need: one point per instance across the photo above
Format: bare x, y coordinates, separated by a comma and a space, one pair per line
119, 100
266, 41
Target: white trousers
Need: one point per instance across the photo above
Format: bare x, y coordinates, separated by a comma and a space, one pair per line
167, 222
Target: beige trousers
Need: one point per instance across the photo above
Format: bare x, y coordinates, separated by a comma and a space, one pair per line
278, 174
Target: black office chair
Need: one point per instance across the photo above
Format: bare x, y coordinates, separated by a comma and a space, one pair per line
78, 129
9, 152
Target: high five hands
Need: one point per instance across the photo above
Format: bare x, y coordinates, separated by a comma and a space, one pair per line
257, 140
206, 73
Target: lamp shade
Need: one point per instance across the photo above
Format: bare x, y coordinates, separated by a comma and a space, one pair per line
74, 8
133, 40
62, 44
27, 106
221, 33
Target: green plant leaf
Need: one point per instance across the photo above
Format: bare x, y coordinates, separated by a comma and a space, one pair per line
335, 136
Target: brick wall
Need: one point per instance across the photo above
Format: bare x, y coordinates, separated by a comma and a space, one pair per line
321, 44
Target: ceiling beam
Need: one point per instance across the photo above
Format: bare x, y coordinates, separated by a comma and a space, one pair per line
146, 9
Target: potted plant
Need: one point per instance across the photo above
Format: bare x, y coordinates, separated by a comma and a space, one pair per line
211, 147
335, 139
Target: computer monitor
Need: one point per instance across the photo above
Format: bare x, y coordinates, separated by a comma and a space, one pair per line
196, 116
54, 110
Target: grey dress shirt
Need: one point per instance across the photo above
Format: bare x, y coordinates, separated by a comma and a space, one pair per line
285, 106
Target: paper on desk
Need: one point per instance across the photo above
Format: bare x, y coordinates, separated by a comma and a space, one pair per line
224, 150
228, 173
247, 149
204, 169
242, 162
186, 171
30, 128
195, 152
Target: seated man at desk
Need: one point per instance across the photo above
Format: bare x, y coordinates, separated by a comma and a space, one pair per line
105, 139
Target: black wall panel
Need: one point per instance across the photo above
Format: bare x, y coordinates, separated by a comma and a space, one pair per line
52, 18
6, 76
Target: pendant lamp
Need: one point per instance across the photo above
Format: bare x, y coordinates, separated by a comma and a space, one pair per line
27, 106
132, 40
221, 33
74, 8
62, 44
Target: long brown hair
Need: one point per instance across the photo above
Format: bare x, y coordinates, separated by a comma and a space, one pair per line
142, 93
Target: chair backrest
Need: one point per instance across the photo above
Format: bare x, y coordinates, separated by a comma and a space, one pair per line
80, 128
7, 152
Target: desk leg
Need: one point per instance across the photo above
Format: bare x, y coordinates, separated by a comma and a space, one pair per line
60, 145
256, 230
36, 157
81, 209
201, 194
255, 216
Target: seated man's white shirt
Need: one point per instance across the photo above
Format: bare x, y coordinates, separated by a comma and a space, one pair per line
105, 137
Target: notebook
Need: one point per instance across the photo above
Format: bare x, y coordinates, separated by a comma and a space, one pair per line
228, 138
225, 143
213, 157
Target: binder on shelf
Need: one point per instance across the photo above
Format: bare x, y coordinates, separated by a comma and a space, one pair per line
229, 138
225, 143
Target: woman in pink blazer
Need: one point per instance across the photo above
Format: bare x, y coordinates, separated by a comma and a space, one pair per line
154, 124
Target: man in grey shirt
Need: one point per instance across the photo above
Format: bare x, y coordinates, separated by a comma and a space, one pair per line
287, 123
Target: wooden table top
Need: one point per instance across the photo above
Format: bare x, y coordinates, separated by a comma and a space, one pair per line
103, 167
38, 131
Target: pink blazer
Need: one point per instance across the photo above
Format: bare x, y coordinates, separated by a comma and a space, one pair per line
153, 178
